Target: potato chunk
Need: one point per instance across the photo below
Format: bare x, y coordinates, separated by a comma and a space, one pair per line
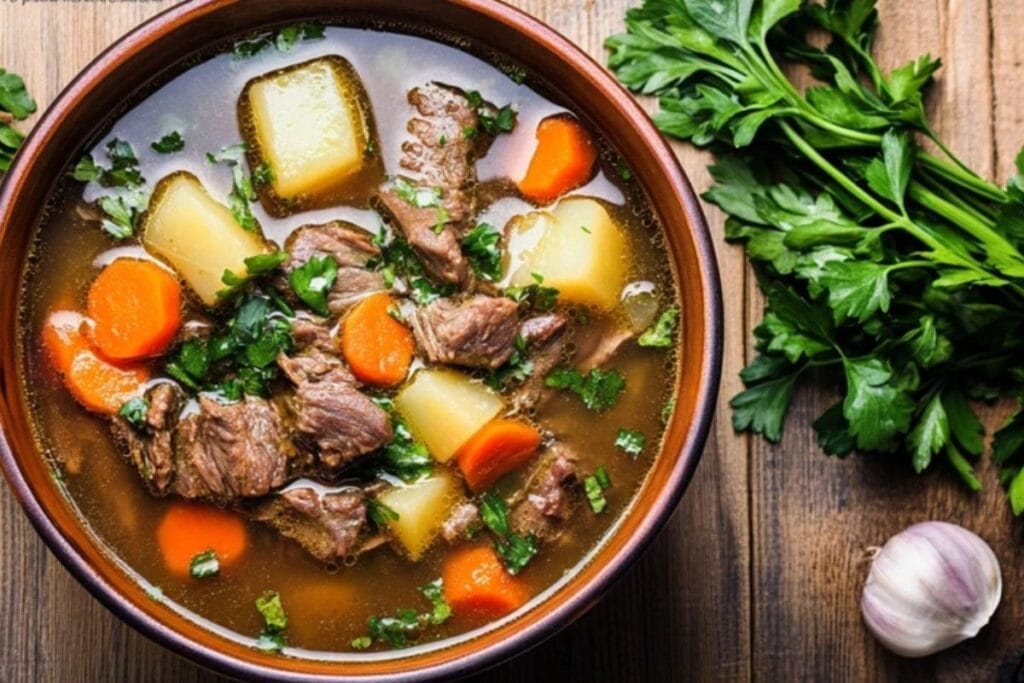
443, 408
311, 124
422, 508
197, 235
580, 251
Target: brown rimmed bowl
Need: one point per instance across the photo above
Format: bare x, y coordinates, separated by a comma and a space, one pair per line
156, 50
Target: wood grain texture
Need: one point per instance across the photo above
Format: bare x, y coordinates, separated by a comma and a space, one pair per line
758, 574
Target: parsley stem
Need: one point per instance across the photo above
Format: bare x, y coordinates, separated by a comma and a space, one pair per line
968, 181
967, 220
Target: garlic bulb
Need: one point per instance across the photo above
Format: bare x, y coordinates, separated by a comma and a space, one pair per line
930, 587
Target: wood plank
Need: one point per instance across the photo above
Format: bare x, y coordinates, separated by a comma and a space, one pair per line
813, 516
682, 612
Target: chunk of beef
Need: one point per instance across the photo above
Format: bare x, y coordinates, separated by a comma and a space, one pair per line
546, 337
463, 521
151, 448
317, 355
327, 526
437, 248
351, 247
227, 451
603, 348
338, 420
478, 332
541, 329
441, 154
551, 497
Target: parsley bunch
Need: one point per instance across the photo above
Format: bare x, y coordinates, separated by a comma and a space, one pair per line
15, 105
895, 274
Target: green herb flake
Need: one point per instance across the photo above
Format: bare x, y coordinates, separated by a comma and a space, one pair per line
242, 194
630, 441
514, 550
659, 335
134, 412
204, 565
442, 611
598, 389
380, 514
595, 485
482, 248
169, 143
313, 280
269, 605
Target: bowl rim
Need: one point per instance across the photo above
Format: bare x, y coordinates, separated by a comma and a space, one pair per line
653, 519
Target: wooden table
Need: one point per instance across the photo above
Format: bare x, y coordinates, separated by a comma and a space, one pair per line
758, 575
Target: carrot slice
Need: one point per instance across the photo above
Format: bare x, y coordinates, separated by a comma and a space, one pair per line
377, 347
136, 309
563, 160
188, 529
476, 584
99, 385
498, 448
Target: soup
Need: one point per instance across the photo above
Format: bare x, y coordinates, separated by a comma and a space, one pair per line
349, 340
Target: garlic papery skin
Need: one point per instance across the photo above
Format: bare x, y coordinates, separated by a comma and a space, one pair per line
930, 587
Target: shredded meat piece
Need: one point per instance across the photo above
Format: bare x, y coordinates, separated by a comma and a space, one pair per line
339, 421
227, 451
438, 249
546, 337
550, 499
152, 450
462, 522
478, 332
327, 526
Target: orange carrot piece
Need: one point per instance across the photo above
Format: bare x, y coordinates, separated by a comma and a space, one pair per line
99, 385
476, 584
188, 529
377, 347
135, 307
498, 448
563, 160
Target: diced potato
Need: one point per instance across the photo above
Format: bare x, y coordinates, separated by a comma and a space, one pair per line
422, 508
197, 235
312, 125
581, 252
443, 408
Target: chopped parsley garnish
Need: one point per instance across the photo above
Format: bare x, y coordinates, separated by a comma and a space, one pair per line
275, 621
469, 132
130, 198
623, 170
598, 389
404, 456
369, 149
397, 260
659, 335
283, 39
515, 550
379, 513
585, 229
398, 631
205, 565
481, 247
134, 412
242, 193
170, 143
594, 485
515, 370
263, 174
443, 140
668, 409
631, 441
501, 121
313, 280
260, 264
535, 296
238, 358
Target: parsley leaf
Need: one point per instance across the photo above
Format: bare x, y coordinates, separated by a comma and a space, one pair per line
594, 486
380, 514
204, 565
242, 193
134, 412
630, 441
269, 605
407, 624
169, 143
481, 247
313, 280
434, 592
130, 198
534, 296
284, 39
659, 335
598, 389
515, 550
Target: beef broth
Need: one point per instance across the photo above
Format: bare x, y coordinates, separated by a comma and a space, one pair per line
305, 464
